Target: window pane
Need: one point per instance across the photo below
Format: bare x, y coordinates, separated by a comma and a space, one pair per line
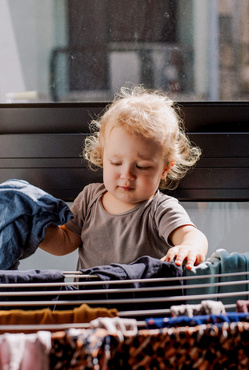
81, 50
224, 223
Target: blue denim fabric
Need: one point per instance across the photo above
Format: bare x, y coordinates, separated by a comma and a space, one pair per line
157, 323
25, 212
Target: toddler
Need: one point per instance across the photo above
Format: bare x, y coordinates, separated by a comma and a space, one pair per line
140, 143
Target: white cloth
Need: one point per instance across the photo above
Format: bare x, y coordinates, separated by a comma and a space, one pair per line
116, 326
206, 307
21, 351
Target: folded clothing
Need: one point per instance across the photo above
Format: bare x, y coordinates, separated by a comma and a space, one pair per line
26, 211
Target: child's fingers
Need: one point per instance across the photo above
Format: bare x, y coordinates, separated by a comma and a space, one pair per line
181, 254
171, 254
200, 258
187, 255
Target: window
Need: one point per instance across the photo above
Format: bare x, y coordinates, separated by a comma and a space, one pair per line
81, 50
85, 50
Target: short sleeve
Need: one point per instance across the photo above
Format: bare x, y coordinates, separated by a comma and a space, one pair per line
81, 207
169, 215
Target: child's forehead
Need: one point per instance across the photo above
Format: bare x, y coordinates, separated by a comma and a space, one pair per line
119, 130
119, 138
129, 126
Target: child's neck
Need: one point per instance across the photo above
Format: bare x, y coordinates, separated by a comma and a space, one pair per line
115, 206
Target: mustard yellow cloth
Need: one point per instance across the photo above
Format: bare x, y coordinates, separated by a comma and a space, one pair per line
82, 314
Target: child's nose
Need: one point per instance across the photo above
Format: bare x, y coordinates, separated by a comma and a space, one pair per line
128, 173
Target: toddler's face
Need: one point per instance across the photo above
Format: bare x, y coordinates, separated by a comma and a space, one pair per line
132, 166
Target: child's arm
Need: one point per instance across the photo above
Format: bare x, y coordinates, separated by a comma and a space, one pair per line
190, 244
59, 240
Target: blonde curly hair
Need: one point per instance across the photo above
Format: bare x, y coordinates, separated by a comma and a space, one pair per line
150, 114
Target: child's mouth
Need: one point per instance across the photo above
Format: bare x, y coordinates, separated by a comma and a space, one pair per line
126, 188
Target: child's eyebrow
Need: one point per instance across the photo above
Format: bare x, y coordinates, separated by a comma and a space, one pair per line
145, 158
114, 156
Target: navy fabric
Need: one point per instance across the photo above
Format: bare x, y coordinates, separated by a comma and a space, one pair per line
144, 267
26, 211
31, 276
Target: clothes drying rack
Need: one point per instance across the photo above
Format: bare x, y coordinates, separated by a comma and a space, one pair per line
22, 298
168, 344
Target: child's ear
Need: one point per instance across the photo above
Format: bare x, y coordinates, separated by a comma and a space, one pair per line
167, 169
164, 174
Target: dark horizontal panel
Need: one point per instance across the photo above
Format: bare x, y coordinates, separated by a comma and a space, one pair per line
216, 178
228, 195
68, 195
223, 162
204, 181
42, 163
48, 118
56, 181
216, 145
222, 145
75, 117
41, 145
80, 163
216, 116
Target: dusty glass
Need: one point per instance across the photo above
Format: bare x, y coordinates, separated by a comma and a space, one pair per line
81, 50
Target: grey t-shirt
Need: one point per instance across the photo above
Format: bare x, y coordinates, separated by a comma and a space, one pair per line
122, 238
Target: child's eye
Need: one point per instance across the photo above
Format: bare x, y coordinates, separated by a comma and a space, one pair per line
116, 163
141, 167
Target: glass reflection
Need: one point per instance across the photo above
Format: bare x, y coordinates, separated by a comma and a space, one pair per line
81, 50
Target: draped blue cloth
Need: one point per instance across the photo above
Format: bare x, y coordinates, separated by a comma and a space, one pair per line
25, 212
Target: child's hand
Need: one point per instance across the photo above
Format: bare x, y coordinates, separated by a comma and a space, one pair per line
184, 252
190, 244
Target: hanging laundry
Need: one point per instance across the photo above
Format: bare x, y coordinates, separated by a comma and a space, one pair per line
29, 276
25, 351
219, 346
82, 314
204, 308
144, 267
242, 306
220, 262
179, 321
206, 346
26, 211
81, 349
116, 325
